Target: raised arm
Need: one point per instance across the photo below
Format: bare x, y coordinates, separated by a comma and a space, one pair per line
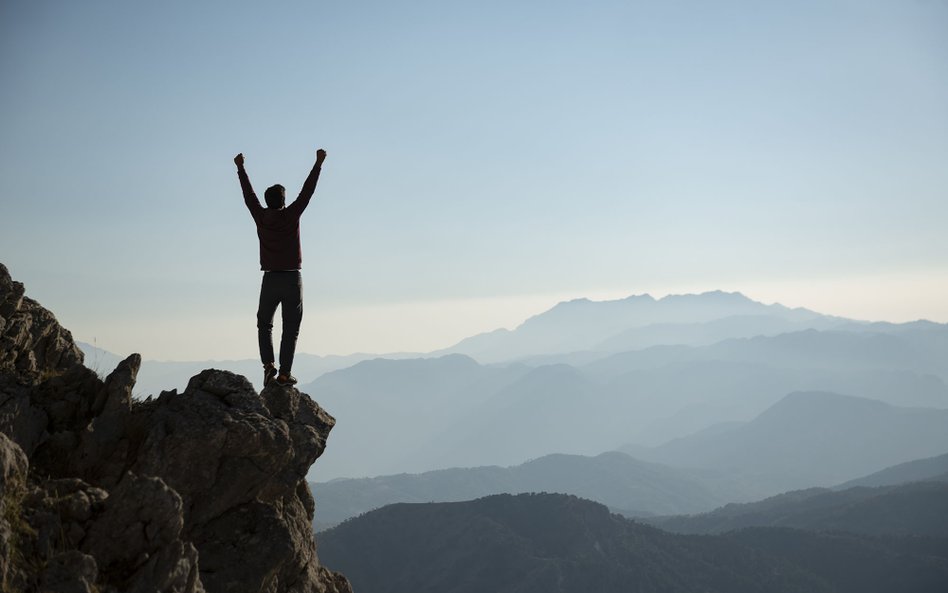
250, 198
309, 186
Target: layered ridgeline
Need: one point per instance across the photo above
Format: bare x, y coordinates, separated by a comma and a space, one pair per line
811, 439
636, 322
581, 325
933, 469
549, 543
637, 371
626, 485
504, 415
197, 491
806, 439
585, 402
916, 508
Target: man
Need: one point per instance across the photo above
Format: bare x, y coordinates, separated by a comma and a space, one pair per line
278, 228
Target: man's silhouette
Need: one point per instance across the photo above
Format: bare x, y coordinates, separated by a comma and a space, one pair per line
278, 227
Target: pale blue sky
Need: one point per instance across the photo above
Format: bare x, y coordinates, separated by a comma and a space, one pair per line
485, 159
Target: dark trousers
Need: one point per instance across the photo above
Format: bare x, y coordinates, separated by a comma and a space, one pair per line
284, 289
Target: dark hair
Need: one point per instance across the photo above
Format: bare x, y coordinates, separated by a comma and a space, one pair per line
275, 196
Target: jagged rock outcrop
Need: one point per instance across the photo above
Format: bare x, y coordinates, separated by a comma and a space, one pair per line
188, 492
32, 343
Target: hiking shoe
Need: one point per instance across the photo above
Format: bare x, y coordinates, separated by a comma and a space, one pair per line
269, 372
285, 379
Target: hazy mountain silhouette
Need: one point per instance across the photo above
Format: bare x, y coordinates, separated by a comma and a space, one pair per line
813, 439
928, 337
551, 543
928, 469
97, 359
680, 398
919, 508
622, 483
711, 332
549, 409
809, 349
435, 415
582, 324
160, 375
400, 404
528, 418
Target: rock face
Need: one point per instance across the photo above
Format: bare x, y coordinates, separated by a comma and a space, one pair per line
199, 491
32, 343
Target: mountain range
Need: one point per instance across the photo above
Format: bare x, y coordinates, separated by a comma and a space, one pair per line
587, 377
554, 543
162, 375
811, 438
626, 485
916, 508
636, 322
807, 439
931, 469
432, 418
712, 398
676, 319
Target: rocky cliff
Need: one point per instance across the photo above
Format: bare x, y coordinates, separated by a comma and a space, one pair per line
188, 492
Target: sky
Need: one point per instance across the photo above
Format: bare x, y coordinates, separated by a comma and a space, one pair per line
486, 160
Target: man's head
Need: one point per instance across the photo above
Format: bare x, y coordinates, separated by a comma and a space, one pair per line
275, 196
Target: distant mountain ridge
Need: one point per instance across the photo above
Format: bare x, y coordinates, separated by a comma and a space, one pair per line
813, 438
401, 403
806, 439
919, 508
159, 375
582, 324
929, 469
435, 414
503, 415
710, 332
809, 348
624, 484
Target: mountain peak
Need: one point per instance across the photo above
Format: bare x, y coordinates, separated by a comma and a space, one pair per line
583, 324
712, 295
640, 297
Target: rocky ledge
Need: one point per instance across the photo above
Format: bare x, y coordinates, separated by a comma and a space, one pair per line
197, 491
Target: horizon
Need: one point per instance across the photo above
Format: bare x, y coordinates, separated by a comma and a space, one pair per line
603, 298
480, 169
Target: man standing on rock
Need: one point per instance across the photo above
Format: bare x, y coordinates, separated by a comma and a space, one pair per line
278, 228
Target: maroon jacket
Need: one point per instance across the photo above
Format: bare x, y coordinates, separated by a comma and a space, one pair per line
279, 230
